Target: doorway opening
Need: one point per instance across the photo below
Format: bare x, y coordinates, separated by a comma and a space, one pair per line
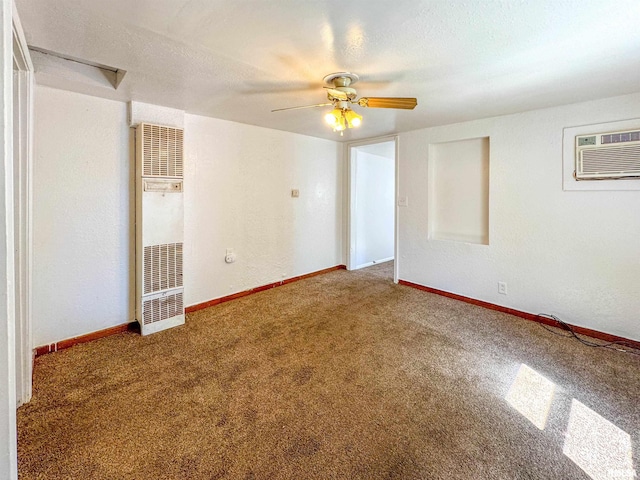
372, 206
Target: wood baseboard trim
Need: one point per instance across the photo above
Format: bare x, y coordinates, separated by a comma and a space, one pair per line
216, 301
606, 337
134, 326
70, 342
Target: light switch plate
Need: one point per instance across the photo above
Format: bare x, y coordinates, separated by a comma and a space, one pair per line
403, 201
295, 193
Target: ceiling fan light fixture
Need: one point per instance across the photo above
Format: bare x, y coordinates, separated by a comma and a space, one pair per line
353, 119
341, 124
333, 117
342, 118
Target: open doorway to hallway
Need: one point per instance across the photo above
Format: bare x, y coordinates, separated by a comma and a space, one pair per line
372, 192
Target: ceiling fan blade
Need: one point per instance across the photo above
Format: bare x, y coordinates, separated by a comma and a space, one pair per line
388, 102
304, 106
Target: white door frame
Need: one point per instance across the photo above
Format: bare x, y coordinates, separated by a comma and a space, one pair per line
8, 435
351, 201
22, 153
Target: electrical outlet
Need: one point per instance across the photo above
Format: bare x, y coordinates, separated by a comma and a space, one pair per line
502, 288
295, 193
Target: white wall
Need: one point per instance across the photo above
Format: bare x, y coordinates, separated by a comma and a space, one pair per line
573, 254
375, 205
81, 215
238, 181
237, 194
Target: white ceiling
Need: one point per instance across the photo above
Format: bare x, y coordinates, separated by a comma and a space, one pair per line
239, 59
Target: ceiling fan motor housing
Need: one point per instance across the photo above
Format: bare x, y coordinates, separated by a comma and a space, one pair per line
339, 86
341, 79
341, 94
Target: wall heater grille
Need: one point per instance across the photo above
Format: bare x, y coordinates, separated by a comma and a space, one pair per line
162, 151
162, 308
162, 267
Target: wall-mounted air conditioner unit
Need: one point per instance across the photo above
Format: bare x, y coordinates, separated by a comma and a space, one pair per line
159, 227
606, 156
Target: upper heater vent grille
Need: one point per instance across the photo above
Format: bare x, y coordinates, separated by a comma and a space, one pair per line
162, 308
162, 151
162, 267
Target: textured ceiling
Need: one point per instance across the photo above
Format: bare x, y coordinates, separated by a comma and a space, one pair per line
239, 59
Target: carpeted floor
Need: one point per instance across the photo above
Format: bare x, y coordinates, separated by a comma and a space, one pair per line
344, 375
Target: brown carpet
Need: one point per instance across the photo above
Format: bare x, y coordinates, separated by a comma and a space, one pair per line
344, 375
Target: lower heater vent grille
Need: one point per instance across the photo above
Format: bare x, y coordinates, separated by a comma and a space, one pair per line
162, 267
162, 308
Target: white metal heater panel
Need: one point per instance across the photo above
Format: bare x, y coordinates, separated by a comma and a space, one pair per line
159, 227
163, 218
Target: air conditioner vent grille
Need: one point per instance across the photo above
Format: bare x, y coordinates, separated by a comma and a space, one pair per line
162, 308
611, 161
162, 151
162, 267
620, 137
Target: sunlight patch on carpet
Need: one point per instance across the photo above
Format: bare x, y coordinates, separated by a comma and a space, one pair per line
597, 446
531, 394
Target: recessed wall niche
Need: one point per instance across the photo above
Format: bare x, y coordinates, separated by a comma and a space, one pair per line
459, 191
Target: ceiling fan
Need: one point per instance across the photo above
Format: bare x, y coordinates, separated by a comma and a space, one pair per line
341, 95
